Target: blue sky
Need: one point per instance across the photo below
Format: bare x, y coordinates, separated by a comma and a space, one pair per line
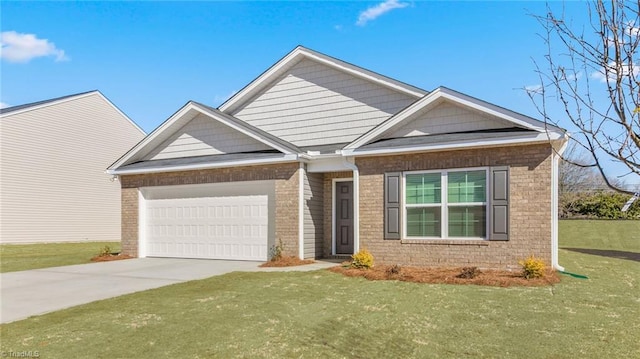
150, 58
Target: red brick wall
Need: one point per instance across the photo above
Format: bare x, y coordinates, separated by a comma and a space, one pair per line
530, 209
284, 176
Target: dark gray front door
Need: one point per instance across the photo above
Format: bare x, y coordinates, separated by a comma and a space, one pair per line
344, 218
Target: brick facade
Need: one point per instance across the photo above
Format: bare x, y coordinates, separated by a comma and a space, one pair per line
286, 197
530, 209
529, 191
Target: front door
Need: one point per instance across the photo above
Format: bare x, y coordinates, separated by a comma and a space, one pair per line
344, 217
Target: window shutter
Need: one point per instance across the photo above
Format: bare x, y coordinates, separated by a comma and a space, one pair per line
392, 193
499, 204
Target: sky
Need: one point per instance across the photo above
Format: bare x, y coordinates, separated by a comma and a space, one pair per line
150, 58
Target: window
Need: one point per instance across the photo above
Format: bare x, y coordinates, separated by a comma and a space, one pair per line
448, 204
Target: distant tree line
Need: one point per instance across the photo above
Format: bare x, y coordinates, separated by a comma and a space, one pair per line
585, 195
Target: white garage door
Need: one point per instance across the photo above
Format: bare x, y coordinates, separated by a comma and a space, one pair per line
208, 227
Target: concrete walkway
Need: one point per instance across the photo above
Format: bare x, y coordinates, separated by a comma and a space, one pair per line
34, 292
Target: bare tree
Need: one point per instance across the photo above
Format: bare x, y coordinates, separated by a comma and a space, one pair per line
574, 179
592, 71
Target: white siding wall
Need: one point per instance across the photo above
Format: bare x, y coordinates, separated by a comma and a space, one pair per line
448, 118
205, 136
313, 104
313, 214
52, 172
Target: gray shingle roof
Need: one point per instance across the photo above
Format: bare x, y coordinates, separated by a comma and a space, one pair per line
444, 138
199, 160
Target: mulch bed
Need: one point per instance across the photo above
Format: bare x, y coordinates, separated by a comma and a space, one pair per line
285, 261
110, 257
494, 278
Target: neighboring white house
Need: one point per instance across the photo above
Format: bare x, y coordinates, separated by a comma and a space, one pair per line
52, 159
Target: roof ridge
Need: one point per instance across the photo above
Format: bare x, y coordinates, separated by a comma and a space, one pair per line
251, 128
25, 106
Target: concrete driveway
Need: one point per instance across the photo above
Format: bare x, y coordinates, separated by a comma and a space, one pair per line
34, 292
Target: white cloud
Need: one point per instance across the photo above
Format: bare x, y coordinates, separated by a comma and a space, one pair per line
374, 12
627, 70
4, 105
533, 89
18, 47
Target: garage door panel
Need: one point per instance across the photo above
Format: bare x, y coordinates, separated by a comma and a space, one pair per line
208, 227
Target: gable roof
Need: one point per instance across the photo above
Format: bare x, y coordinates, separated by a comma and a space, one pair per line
299, 53
288, 147
189, 111
36, 104
14, 110
493, 126
443, 93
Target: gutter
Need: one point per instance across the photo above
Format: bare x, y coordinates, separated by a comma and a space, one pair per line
516, 140
350, 163
301, 176
555, 169
203, 166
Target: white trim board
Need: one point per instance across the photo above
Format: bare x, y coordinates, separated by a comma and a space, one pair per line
514, 140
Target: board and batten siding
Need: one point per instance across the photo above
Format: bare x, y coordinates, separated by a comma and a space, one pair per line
204, 136
313, 214
448, 118
53, 158
314, 104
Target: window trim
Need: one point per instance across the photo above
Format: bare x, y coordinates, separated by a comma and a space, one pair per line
444, 204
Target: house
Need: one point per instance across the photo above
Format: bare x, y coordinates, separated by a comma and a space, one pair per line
52, 182
327, 158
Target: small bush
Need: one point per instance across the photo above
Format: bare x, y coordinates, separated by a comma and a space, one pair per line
469, 273
275, 252
394, 269
362, 259
532, 267
105, 251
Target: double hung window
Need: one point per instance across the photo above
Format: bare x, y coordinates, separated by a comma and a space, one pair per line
446, 204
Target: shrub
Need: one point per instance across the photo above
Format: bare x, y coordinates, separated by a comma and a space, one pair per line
532, 267
394, 270
469, 273
105, 251
362, 259
598, 205
275, 252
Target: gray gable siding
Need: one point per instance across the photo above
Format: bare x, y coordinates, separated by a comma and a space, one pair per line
448, 118
313, 104
313, 214
204, 136
52, 182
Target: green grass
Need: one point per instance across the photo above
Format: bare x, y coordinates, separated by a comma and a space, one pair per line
17, 257
322, 314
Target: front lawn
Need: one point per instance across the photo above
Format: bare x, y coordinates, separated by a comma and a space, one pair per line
17, 257
325, 315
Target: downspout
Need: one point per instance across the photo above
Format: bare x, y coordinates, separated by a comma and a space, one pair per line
555, 170
349, 162
301, 175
